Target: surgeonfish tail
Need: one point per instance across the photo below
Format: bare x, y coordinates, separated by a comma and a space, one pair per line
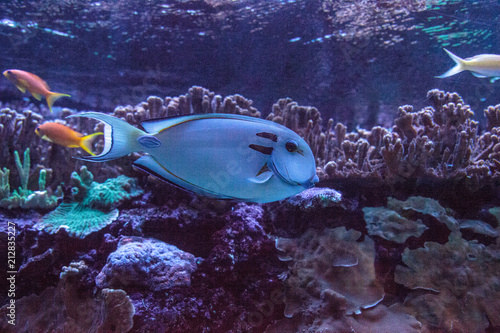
52, 97
86, 142
455, 70
120, 138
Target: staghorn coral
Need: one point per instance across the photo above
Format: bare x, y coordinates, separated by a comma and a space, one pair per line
198, 100
17, 131
304, 120
437, 143
147, 263
23, 197
461, 278
330, 272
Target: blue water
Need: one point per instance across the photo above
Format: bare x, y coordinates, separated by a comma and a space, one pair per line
349, 60
279, 267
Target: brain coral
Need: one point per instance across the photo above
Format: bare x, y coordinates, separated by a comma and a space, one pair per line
330, 270
147, 263
463, 280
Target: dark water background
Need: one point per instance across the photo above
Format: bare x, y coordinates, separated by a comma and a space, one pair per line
355, 61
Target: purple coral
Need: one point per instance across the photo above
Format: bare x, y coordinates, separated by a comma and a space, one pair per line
147, 263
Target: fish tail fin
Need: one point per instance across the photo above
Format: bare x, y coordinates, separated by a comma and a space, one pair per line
455, 70
52, 97
120, 138
86, 142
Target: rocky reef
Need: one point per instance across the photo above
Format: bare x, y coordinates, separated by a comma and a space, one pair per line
400, 235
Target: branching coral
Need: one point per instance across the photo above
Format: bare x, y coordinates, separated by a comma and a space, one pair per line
439, 142
198, 100
23, 197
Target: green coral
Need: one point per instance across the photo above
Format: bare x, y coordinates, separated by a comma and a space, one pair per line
112, 192
77, 219
95, 204
23, 197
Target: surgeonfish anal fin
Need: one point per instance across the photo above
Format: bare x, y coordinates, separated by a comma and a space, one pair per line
262, 176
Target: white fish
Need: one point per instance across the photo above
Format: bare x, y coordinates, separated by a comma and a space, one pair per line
482, 65
218, 155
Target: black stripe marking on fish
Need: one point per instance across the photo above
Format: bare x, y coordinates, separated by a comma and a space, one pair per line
268, 135
262, 149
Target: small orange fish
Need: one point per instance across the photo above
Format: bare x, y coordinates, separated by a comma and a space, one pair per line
34, 84
65, 136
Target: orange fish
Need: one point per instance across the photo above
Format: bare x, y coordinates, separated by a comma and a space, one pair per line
65, 136
34, 84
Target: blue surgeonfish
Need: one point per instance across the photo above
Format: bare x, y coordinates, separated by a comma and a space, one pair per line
482, 65
223, 156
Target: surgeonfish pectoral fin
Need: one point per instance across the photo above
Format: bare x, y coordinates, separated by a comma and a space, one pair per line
86, 142
120, 138
52, 97
262, 176
455, 70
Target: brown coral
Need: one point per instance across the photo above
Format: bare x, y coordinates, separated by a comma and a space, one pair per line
331, 272
463, 278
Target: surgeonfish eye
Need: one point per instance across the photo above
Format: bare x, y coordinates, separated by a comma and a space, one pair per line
291, 146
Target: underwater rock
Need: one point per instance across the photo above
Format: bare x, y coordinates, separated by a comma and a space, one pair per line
461, 280
147, 263
68, 307
340, 271
243, 239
